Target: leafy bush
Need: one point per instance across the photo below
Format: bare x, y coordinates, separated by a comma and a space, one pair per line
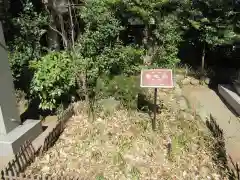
125, 89
121, 59
101, 28
53, 78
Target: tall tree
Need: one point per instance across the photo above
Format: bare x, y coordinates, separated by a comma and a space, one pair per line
212, 20
162, 33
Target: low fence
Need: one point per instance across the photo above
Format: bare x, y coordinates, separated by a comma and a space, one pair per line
66, 114
56, 132
22, 159
15, 168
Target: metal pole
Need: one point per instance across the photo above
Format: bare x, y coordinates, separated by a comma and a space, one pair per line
155, 110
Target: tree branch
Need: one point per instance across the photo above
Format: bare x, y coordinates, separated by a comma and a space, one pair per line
63, 37
71, 24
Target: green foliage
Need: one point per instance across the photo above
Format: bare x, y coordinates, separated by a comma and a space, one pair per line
25, 45
147, 11
100, 177
168, 36
213, 21
114, 60
101, 48
102, 28
120, 60
162, 29
53, 78
125, 89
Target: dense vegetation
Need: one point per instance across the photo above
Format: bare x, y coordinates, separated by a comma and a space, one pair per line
59, 49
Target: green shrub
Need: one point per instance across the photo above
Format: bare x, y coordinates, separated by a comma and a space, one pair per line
121, 59
53, 78
122, 88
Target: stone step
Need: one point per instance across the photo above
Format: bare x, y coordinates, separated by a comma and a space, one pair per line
230, 96
11, 142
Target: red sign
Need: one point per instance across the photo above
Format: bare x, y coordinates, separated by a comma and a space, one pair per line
157, 78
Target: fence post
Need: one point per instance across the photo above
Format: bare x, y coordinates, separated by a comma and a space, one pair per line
11, 168
18, 163
2, 175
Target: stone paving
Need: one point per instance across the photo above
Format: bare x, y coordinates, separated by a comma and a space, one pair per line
207, 101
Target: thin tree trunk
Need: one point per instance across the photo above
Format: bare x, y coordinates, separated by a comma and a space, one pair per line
203, 58
53, 39
147, 58
80, 76
64, 35
71, 24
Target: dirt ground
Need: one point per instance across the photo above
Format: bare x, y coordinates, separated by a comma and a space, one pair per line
122, 145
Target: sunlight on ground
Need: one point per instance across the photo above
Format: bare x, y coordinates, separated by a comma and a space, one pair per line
122, 146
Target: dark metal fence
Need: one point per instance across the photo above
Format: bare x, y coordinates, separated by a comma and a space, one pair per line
56, 132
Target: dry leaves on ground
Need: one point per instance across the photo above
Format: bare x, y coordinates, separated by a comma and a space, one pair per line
123, 146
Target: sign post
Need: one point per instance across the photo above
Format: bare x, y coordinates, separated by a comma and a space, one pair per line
156, 78
155, 110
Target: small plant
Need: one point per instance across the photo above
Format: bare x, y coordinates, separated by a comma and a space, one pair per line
100, 177
125, 89
134, 173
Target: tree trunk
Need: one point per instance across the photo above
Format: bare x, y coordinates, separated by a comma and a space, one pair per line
71, 24
147, 58
63, 31
203, 58
53, 37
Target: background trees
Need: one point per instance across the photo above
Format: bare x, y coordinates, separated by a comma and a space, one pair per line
64, 47
213, 24
25, 27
